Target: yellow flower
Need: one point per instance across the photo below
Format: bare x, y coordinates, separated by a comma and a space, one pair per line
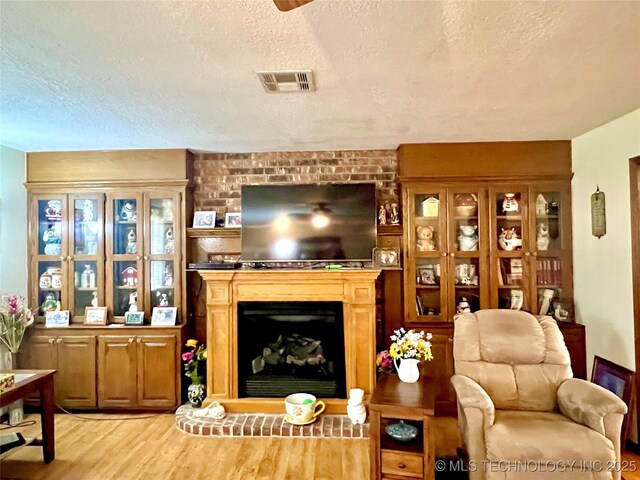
192, 343
204, 354
394, 352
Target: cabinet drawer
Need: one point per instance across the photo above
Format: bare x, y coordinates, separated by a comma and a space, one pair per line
401, 463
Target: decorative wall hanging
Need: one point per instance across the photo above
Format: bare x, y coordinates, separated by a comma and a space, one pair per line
598, 214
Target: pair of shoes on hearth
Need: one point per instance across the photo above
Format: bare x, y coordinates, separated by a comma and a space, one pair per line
213, 410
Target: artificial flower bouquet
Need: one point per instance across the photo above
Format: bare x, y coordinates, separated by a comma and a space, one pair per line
411, 344
15, 317
192, 359
385, 362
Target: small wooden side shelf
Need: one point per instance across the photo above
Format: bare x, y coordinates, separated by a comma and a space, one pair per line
394, 400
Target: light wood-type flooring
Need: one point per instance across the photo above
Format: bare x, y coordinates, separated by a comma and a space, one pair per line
154, 448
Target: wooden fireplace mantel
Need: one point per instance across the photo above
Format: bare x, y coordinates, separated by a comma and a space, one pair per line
354, 288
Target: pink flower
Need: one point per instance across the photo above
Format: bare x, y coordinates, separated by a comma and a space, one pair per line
13, 305
187, 356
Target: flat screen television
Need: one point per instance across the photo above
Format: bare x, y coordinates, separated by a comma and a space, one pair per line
283, 223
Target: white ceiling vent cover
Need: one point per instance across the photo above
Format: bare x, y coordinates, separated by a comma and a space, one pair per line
287, 81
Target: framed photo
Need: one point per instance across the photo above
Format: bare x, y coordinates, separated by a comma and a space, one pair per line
58, 318
233, 220
134, 318
617, 380
204, 219
95, 316
386, 258
164, 316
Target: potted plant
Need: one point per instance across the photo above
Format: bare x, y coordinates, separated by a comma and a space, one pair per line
409, 347
195, 371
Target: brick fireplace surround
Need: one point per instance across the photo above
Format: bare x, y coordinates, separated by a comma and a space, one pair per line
224, 289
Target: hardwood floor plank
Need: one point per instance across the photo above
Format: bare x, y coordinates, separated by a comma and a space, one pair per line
108, 448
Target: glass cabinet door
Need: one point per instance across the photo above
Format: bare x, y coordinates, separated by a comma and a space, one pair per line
162, 247
467, 234
87, 253
510, 245
125, 250
550, 206
427, 255
49, 265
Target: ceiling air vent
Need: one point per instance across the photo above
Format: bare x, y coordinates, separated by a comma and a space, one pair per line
287, 81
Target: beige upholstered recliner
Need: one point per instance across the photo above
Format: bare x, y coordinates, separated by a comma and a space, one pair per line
521, 413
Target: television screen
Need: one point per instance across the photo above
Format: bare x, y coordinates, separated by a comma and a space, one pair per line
283, 223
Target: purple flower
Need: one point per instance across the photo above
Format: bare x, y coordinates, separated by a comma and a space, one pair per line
13, 305
187, 356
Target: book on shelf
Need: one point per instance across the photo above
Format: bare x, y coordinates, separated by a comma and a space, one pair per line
419, 308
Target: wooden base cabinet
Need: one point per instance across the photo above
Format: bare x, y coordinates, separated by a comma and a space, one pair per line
137, 371
74, 359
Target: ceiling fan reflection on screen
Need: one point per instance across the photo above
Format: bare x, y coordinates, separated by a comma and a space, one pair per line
286, 5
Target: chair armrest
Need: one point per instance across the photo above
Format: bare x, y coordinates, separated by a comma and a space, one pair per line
588, 404
472, 395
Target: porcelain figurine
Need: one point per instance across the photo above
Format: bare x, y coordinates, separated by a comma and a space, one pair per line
425, 242
130, 277
430, 207
355, 406
53, 209
133, 302
169, 241
541, 206
132, 245
510, 204
168, 276
50, 304
395, 216
163, 300
88, 213
53, 242
90, 243
468, 240
382, 215
94, 300
129, 212
45, 281
542, 237
509, 239
463, 306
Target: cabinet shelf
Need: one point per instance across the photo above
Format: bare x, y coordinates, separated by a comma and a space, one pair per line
126, 287
515, 218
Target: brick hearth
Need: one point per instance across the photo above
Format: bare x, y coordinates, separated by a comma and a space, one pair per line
267, 425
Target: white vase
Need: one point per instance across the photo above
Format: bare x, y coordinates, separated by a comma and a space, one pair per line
8, 361
408, 369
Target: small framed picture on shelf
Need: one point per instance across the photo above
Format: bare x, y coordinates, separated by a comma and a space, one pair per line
204, 219
164, 316
233, 220
95, 316
134, 318
562, 310
56, 318
386, 258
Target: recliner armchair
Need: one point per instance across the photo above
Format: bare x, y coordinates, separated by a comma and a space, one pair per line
521, 413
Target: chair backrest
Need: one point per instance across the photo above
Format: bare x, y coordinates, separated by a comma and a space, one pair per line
520, 360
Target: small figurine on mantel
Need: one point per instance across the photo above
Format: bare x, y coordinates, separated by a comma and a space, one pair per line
382, 215
395, 215
355, 406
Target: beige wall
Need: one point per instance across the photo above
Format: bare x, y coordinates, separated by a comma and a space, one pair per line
602, 267
13, 222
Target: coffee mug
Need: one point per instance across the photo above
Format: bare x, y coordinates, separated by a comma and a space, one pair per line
302, 407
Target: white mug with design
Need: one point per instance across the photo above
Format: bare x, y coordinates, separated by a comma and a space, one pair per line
302, 408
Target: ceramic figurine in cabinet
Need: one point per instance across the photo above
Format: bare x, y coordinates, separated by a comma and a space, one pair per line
382, 215
395, 216
50, 304
510, 204
509, 239
45, 280
169, 241
425, 242
88, 277
163, 300
130, 277
94, 300
468, 239
88, 213
541, 206
133, 302
463, 306
53, 242
132, 245
542, 237
168, 276
53, 210
129, 212
355, 406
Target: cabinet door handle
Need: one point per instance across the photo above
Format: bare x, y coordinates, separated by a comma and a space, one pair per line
146, 258
138, 257
59, 340
535, 254
139, 340
62, 257
69, 257
402, 465
526, 254
130, 339
444, 254
452, 254
51, 340
450, 340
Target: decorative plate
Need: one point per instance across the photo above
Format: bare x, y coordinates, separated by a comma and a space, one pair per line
290, 420
401, 431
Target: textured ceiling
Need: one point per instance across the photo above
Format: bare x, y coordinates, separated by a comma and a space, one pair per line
102, 75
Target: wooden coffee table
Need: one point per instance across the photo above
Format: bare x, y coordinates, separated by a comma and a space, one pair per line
392, 401
28, 382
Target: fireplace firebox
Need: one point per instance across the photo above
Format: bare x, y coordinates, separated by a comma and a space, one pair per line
289, 347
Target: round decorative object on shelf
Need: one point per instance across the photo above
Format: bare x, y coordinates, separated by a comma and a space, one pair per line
466, 204
196, 394
402, 432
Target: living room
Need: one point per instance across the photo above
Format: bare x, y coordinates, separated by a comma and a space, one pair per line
463, 167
